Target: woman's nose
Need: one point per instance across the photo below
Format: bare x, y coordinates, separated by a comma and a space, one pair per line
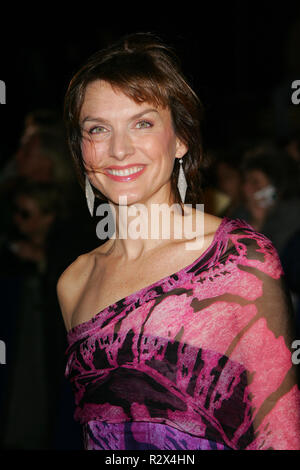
121, 145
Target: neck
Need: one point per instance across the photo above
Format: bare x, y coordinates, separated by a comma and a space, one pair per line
140, 228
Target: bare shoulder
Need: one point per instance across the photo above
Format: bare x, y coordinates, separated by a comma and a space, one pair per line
73, 280
75, 271
69, 285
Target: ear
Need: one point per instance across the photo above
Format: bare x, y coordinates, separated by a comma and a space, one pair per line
181, 148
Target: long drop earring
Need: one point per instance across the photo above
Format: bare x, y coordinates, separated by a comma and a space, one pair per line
181, 183
89, 194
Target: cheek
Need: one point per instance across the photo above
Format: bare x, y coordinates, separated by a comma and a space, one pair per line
247, 188
91, 155
169, 142
162, 147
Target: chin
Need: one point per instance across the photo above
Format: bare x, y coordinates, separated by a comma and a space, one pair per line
126, 199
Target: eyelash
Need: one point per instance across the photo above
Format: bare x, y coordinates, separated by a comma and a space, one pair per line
149, 124
94, 128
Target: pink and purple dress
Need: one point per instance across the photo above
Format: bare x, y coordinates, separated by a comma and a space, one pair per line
198, 360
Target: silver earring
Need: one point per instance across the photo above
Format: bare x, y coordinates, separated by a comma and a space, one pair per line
181, 183
89, 194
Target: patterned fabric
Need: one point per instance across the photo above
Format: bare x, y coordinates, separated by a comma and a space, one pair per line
200, 359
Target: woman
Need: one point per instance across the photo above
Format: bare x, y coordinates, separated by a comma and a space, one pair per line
170, 347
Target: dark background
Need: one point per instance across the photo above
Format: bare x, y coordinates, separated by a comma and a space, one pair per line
235, 54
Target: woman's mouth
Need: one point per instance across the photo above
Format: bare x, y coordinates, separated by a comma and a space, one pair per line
125, 174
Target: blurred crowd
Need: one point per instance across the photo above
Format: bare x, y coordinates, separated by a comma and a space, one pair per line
45, 225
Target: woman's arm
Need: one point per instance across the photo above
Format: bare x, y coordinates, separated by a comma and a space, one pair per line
265, 342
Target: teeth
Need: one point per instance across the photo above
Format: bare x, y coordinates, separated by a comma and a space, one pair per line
126, 172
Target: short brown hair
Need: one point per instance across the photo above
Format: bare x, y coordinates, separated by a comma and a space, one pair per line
146, 70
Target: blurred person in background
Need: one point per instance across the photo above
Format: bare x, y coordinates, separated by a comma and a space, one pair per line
28, 247
34, 211
271, 193
229, 182
42, 119
40, 157
23, 261
228, 177
34, 121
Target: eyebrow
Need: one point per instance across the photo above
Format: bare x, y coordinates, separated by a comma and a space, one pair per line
135, 116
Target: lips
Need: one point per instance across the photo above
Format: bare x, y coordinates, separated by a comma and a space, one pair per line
124, 173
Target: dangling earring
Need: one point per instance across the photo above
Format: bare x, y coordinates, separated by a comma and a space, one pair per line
89, 194
181, 183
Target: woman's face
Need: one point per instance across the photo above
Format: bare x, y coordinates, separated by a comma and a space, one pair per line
128, 148
32, 164
255, 180
28, 217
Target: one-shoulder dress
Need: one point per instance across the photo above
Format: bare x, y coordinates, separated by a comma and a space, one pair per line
199, 360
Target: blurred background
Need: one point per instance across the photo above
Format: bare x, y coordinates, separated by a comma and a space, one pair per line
241, 58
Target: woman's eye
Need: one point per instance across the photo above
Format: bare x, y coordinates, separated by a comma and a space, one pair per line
97, 130
143, 124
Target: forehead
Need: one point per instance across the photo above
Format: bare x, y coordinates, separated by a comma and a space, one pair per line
256, 175
26, 201
102, 99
